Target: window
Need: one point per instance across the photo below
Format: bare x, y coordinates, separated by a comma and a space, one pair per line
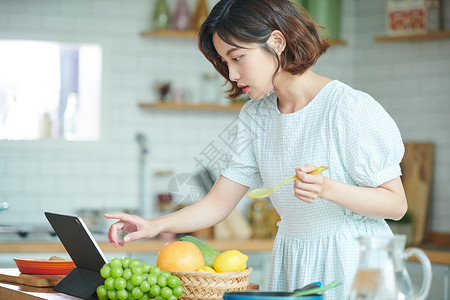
50, 90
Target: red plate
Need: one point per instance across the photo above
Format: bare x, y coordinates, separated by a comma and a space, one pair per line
43, 266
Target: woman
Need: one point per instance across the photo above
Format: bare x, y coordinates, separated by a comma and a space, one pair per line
296, 120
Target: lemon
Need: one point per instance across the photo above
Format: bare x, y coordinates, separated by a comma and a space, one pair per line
230, 261
206, 269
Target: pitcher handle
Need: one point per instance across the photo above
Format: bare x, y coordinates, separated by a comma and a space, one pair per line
426, 269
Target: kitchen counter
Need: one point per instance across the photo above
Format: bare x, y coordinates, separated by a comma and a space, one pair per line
438, 255
24, 292
147, 246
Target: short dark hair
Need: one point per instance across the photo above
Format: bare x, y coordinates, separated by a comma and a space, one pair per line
254, 21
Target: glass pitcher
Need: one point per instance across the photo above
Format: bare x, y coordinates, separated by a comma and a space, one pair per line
404, 285
382, 273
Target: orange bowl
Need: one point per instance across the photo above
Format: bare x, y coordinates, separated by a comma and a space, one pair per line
43, 266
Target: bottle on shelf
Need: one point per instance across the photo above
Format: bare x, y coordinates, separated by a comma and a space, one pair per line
302, 3
326, 13
161, 16
181, 19
201, 13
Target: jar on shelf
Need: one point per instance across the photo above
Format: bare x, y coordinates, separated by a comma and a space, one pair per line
258, 219
161, 16
181, 19
201, 13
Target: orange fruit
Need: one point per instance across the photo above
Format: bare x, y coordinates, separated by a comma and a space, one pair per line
180, 256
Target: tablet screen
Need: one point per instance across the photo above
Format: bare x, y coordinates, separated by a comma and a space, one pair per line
78, 241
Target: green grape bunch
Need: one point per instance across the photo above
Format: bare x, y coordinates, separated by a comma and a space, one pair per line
128, 279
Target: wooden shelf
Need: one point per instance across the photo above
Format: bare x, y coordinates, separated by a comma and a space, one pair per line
192, 34
170, 33
338, 43
203, 106
414, 37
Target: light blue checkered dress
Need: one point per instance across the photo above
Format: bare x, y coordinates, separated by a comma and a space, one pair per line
342, 128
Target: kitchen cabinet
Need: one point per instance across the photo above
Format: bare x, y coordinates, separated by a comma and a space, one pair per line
204, 106
260, 262
414, 37
441, 279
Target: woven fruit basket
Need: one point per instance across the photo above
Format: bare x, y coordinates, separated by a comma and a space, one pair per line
211, 286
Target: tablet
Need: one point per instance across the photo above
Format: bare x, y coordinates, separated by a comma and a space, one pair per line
78, 241
75, 236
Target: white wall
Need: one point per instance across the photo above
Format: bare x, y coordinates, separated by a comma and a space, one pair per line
412, 81
61, 176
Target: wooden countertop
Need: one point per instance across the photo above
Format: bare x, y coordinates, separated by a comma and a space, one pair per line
10, 290
438, 255
24, 292
151, 245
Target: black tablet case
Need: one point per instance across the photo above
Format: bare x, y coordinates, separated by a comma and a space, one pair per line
84, 279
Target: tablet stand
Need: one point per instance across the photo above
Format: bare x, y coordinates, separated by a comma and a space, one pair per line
80, 283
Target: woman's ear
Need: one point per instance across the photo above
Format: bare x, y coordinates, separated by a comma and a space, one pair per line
277, 41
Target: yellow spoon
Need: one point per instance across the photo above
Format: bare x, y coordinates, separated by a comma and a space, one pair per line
264, 192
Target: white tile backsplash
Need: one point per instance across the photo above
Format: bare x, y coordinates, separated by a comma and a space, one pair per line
411, 80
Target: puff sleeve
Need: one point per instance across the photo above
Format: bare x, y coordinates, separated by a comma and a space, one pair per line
369, 141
